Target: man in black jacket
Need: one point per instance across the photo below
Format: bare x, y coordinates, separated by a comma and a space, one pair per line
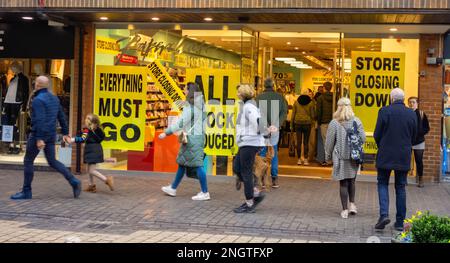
395, 133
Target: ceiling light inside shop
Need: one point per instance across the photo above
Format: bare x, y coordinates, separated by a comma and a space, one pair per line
216, 33
302, 34
296, 48
155, 18
130, 27
104, 18
288, 43
303, 66
208, 19
393, 29
294, 62
27, 18
317, 61
303, 52
285, 59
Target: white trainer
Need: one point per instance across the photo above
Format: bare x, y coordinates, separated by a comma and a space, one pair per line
299, 162
201, 197
344, 214
352, 209
169, 190
306, 162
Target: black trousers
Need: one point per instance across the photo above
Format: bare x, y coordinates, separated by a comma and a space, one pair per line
12, 113
243, 168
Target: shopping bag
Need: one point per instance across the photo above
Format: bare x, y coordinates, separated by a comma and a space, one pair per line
65, 154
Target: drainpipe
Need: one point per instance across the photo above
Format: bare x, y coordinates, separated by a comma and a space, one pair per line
80, 94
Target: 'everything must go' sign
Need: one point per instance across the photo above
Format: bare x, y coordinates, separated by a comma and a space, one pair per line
119, 101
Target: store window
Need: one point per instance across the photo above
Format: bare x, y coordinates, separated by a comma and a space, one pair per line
16, 79
163, 60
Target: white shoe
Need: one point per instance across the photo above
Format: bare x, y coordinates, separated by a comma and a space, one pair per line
169, 190
201, 197
306, 162
352, 209
344, 214
300, 161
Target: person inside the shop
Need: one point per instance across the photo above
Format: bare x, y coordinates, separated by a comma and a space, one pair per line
250, 139
273, 107
192, 139
302, 118
423, 127
337, 147
45, 111
15, 101
318, 93
324, 113
93, 135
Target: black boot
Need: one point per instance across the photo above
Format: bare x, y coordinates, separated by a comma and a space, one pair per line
420, 185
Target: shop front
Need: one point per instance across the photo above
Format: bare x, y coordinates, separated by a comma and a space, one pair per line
167, 56
27, 51
140, 76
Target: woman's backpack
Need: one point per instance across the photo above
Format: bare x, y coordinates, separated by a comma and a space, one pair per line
356, 144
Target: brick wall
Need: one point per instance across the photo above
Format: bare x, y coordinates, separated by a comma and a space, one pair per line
88, 73
430, 95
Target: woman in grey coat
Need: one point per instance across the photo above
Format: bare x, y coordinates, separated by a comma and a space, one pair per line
338, 149
191, 154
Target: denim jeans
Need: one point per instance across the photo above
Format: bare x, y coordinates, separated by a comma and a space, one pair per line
201, 177
274, 164
400, 192
49, 151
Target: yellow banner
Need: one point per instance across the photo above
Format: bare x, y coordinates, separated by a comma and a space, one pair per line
219, 89
166, 84
374, 75
119, 101
107, 46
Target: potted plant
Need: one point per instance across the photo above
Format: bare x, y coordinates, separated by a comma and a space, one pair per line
424, 228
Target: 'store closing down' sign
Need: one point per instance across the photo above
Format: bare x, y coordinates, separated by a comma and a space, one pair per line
374, 75
119, 101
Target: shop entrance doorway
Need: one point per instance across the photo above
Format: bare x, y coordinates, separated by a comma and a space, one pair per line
302, 64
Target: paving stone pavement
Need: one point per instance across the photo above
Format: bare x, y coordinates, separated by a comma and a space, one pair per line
300, 211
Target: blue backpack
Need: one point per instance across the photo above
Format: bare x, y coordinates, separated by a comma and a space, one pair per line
356, 144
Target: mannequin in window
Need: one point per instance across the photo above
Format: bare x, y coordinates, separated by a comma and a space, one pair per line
16, 99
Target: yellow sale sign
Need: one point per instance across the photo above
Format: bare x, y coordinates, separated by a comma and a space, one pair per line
119, 101
219, 90
374, 75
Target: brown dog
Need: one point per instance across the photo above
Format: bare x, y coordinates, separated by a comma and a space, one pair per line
261, 170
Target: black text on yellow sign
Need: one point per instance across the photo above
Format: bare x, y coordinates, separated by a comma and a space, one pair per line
374, 75
119, 99
165, 83
218, 86
220, 125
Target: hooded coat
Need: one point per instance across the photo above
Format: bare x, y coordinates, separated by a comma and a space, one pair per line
303, 111
191, 121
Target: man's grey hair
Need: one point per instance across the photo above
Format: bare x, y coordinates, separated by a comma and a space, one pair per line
268, 83
397, 94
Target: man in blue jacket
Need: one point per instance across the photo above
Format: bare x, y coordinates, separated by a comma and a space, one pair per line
395, 131
45, 110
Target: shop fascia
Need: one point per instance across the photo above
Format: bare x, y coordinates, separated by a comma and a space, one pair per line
145, 44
